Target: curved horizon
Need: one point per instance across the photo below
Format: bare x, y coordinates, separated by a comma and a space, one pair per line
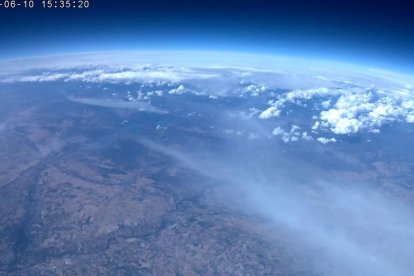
306, 59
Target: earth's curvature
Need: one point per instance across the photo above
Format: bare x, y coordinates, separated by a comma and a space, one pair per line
196, 163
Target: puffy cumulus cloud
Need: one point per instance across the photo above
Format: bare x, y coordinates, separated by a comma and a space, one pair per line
342, 104
409, 105
296, 97
253, 89
293, 135
309, 94
273, 111
306, 136
326, 104
353, 113
347, 110
316, 126
410, 118
155, 93
178, 90
324, 140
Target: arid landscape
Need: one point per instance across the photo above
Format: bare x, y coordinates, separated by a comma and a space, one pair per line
92, 188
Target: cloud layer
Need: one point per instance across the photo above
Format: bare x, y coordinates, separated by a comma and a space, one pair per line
342, 99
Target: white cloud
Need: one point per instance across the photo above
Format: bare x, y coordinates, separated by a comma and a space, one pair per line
324, 140
118, 75
350, 101
326, 104
348, 110
178, 91
410, 117
45, 77
292, 135
254, 89
273, 111
316, 125
155, 92
305, 136
353, 113
278, 131
296, 97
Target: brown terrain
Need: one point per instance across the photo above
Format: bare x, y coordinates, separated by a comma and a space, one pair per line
77, 199
80, 195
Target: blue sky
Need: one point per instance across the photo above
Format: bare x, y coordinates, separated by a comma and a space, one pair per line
368, 32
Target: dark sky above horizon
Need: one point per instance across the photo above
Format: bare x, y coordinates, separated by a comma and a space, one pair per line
378, 33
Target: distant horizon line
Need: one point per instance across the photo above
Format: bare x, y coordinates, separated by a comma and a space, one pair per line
261, 54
